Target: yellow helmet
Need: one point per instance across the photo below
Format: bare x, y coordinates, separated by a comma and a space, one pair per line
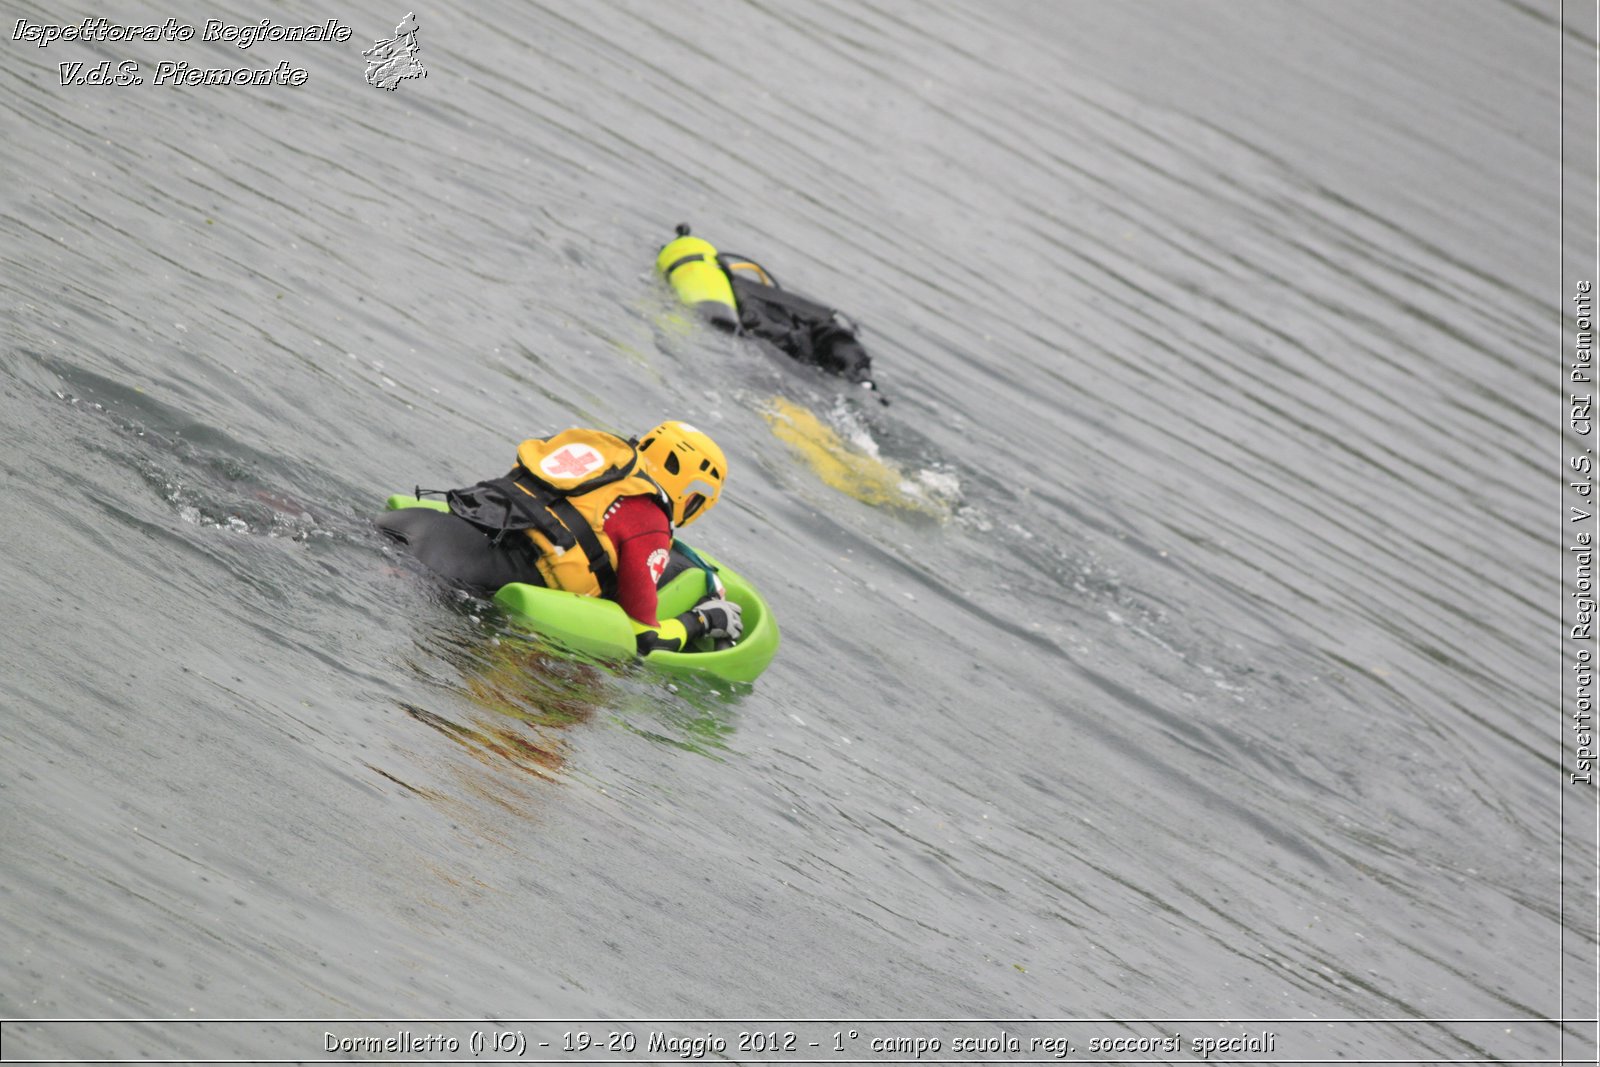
688, 465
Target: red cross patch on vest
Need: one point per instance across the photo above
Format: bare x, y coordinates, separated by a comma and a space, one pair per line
572, 461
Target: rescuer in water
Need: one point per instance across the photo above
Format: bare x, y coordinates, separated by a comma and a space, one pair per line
589, 512
737, 294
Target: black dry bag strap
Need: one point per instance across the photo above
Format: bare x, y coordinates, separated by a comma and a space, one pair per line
501, 505
523, 501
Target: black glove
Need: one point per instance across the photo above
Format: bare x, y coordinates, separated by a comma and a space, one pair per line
719, 618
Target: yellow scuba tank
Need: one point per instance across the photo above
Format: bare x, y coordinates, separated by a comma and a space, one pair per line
690, 265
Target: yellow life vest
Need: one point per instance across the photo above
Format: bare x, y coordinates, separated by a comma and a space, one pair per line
558, 495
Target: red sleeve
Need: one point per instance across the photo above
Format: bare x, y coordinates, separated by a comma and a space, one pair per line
643, 539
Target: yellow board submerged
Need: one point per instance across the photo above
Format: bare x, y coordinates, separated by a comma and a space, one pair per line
843, 466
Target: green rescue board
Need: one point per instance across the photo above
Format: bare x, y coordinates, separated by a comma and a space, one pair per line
601, 628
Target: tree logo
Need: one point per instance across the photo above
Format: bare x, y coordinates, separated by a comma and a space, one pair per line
393, 61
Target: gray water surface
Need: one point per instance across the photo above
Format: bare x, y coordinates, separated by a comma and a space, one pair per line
1208, 674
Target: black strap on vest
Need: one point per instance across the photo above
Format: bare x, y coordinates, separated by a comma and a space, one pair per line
497, 506
521, 502
599, 562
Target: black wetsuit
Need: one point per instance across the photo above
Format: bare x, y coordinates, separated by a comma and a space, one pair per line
798, 326
455, 548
